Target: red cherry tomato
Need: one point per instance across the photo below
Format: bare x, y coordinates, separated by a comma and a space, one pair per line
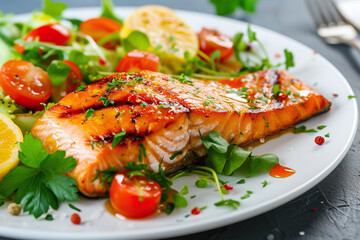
99, 28
135, 61
211, 40
25, 83
135, 197
53, 33
72, 82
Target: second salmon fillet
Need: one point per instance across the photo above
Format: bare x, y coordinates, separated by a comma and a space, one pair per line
164, 115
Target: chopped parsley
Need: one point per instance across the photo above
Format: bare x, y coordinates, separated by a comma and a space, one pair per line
321, 127
264, 183
106, 101
73, 207
276, 89
175, 155
351, 96
118, 138
105, 176
89, 113
164, 106
242, 181
183, 79
327, 135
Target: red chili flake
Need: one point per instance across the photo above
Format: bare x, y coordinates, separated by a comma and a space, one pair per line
195, 211
102, 62
314, 52
335, 94
228, 187
75, 219
313, 209
277, 55
319, 140
282, 96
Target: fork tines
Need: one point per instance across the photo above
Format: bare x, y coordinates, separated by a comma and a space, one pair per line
324, 12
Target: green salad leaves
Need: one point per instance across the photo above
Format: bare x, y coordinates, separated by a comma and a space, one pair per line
226, 158
38, 182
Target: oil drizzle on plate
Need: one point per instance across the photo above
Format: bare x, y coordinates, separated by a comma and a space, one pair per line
279, 171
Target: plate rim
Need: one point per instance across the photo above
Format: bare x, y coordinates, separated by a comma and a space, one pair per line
223, 220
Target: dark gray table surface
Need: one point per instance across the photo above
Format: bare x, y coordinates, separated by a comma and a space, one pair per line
337, 198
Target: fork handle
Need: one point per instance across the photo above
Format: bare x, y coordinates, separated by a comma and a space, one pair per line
355, 43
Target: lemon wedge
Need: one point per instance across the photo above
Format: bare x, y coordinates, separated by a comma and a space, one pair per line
10, 137
167, 32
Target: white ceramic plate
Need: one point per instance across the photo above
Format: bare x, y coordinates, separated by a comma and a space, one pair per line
311, 162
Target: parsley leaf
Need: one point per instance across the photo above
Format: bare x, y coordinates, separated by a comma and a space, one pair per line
39, 183
105, 176
276, 89
175, 155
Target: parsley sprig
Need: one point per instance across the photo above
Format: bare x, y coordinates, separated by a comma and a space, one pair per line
38, 182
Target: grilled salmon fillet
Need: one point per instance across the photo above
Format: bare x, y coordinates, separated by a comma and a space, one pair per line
164, 114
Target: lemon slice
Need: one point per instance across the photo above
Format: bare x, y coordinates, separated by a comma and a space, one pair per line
10, 136
166, 29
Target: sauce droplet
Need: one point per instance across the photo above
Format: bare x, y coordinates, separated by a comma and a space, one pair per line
279, 171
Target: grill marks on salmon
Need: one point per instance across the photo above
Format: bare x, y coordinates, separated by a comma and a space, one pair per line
165, 116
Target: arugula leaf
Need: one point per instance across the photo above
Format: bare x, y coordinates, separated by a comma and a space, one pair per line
78, 57
201, 183
38, 184
136, 40
228, 202
108, 11
184, 190
236, 158
180, 201
58, 72
53, 9
289, 59
216, 160
215, 142
263, 163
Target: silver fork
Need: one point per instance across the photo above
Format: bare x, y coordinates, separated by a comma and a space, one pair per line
330, 25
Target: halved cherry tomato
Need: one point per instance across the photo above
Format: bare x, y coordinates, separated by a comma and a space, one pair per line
72, 82
135, 197
50, 33
135, 61
25, 83
211, 40
101, 27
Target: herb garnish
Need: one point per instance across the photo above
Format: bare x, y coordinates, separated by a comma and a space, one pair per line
264, 183
89, 113
242, 181
105, 176
73, 207
39, 182
106, 101
351, 96
118, 138
175, 155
